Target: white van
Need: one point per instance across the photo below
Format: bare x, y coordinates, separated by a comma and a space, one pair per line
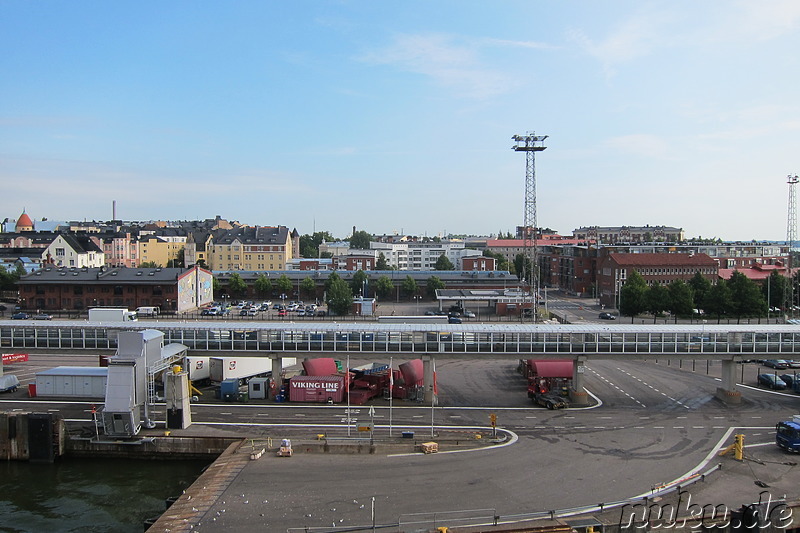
147, 311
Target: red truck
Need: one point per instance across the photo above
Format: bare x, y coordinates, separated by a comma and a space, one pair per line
548, 380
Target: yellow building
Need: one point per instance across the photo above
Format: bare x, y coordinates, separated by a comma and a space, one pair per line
252, 248
160, 250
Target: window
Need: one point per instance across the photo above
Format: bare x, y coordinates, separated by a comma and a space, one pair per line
60, 252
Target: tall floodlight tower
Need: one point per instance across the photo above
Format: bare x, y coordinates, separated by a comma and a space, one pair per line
530, 144
791, 238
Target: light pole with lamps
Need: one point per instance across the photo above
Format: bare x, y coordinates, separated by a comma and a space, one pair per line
417, 297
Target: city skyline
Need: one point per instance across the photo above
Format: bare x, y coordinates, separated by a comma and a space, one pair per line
322, 116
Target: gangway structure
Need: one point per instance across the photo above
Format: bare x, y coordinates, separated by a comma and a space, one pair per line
581, 342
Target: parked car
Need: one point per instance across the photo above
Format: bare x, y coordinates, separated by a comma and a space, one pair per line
789, 379
468, 314
301, 312
772, 381
20, 316
453, 320
776, 363
281, 312
42, 316
321, 312
793, 363
607, 316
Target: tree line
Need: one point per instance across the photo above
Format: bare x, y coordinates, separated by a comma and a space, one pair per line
738, 297
339, 294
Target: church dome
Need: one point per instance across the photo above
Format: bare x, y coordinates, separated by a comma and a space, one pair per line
24, 223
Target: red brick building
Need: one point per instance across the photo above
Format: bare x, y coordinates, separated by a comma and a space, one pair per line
662, 269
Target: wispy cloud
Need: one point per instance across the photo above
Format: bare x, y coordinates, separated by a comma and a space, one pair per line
632, 39
442, 58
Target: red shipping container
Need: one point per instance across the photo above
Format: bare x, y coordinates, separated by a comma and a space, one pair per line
316, 389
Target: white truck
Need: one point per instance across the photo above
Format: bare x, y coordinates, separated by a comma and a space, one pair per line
111, 314
242, 368
147, 311
198, 368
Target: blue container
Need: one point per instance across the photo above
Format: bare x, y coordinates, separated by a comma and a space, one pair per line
229, 387
408, 434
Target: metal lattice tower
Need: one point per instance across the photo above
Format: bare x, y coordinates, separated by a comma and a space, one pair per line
791, 238
530, 144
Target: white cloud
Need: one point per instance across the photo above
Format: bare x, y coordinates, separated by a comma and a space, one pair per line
634, 38
437, 56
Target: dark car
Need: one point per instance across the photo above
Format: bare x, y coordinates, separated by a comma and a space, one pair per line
789, 379
776, 363
453, 320
42, 316
607, 316
772, 381
20, 316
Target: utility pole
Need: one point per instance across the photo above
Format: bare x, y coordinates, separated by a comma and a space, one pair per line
791, 237
530, 144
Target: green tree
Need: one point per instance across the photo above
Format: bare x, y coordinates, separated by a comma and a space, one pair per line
360, 240
8, 280
718, 300
358, 283
384, 287
263, 286
284, 284
308, 287
338, 296
433, 284
632, 296
700, 289
657, 300
443, 263
500, 261
381, 264
237, 285
522, 266
774, 288
149, 264
216, 286
309, 244
681, 299
409, 287
747, 298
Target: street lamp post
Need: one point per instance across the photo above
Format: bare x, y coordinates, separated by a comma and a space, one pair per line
417, 298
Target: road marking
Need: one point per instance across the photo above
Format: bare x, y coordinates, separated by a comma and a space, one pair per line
299, 414
226, 414
678, 427
262, 414
658, 427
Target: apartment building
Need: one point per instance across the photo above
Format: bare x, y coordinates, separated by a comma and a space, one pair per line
252, 248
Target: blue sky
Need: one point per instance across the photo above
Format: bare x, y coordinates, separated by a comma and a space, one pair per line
398, 116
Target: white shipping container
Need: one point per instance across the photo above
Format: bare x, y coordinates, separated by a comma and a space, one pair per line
72, 382
198, 368
107, 314
222, 368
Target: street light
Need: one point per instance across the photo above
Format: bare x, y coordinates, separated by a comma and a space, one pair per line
417, 298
